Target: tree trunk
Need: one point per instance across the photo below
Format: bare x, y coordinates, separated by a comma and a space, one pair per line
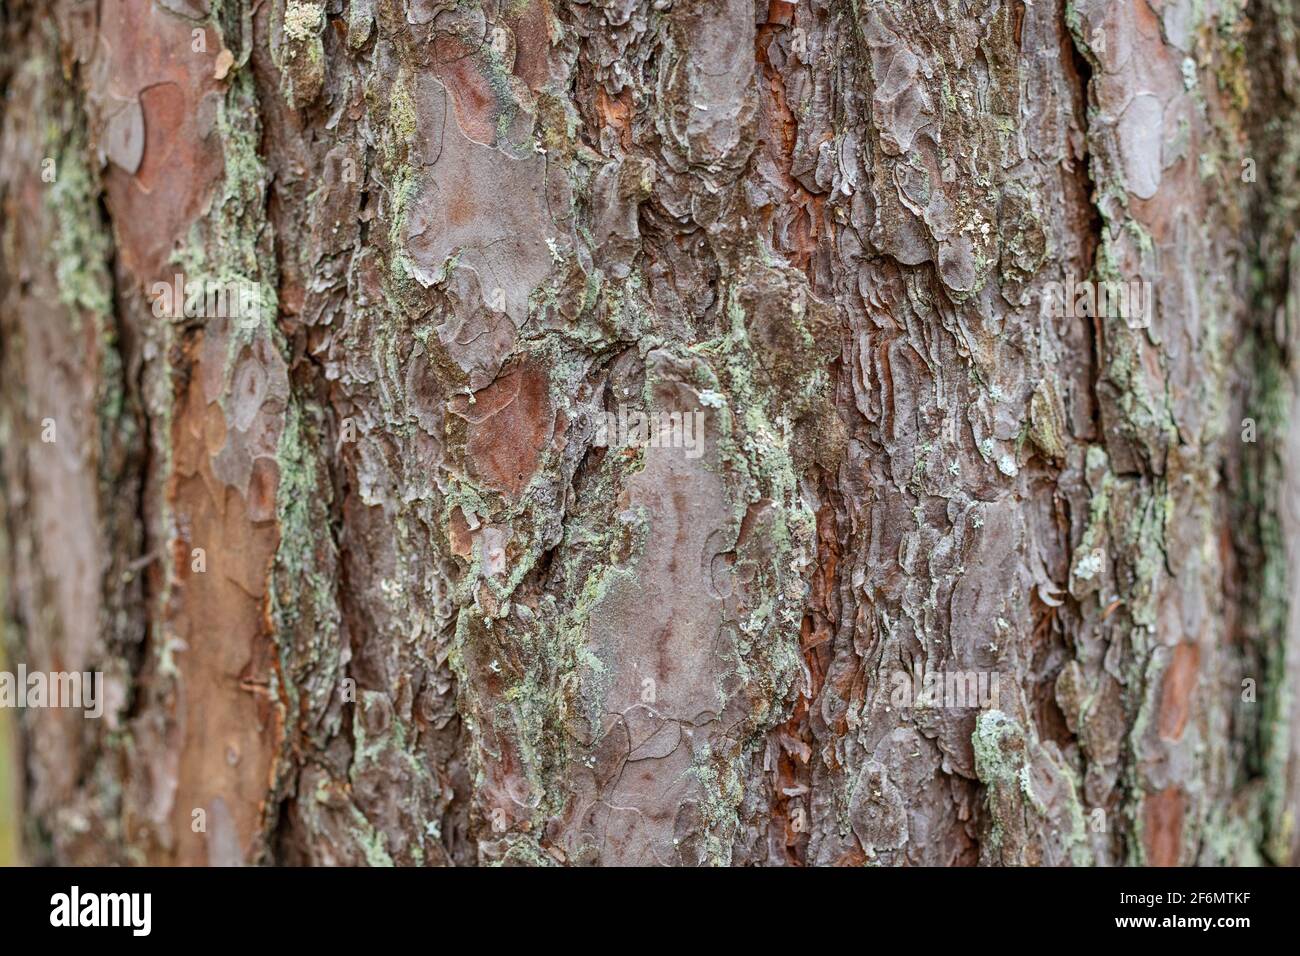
943, 562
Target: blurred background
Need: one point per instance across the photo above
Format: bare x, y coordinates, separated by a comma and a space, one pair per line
8, 777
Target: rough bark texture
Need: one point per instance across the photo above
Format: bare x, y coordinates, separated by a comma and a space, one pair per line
474, 226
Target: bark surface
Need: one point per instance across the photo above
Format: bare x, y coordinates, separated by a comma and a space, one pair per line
366, 588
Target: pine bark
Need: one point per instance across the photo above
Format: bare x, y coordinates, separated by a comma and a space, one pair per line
365, 588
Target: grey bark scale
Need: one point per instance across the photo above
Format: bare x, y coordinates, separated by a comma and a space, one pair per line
436, 622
